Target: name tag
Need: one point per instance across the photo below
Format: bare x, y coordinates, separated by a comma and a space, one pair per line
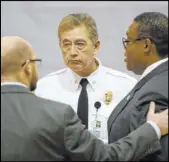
98, 127
98, 124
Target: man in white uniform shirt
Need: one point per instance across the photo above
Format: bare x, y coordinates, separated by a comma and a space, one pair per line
106, 87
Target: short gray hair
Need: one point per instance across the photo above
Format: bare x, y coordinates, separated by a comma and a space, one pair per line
74, 20
154, 25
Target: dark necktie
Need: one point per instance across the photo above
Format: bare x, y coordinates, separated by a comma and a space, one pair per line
82, 110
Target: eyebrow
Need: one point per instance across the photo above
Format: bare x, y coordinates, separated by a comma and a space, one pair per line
66, 40
80, 40
77, 40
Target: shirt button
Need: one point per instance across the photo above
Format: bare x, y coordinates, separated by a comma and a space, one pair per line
94, 82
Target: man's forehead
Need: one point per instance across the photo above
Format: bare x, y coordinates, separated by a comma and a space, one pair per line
75, 33
67, 39
132, 28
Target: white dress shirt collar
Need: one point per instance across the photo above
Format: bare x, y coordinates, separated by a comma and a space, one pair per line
75, 78
152, 67
13, 83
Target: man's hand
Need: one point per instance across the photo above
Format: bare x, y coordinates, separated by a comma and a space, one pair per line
161, 119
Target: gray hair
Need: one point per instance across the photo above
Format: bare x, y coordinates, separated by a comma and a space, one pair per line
154, 25
77, 19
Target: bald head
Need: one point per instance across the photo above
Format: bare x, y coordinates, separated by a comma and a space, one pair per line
14, 52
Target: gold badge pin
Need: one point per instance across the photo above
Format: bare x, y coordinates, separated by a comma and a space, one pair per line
108, 97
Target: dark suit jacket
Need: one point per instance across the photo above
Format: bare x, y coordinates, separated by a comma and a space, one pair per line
131, 112
37, 129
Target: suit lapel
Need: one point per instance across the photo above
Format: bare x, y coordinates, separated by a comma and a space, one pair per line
123, 103
119, 108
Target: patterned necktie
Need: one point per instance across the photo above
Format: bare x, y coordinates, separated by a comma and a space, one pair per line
82, 110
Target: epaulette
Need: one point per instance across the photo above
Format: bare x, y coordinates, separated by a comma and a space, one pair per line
54, 73
119, 74
57, 72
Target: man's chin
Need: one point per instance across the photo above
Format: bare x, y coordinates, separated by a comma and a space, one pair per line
76, 68
77, 71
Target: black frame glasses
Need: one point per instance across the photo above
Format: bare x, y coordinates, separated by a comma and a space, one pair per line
32, 60
126, 41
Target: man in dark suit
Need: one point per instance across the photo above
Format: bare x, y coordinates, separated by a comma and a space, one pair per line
36, 129
146, 54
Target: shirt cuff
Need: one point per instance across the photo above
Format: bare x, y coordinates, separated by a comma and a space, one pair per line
156, 128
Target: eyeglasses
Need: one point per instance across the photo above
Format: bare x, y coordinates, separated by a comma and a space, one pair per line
67, 46
38, 62
126, 41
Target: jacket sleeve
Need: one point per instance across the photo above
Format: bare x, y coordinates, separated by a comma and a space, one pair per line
138, 117
80, 144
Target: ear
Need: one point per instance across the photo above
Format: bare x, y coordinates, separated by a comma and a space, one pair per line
27, 68
147, 46
97, 47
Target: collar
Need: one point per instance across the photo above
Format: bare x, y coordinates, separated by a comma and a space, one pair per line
92, 78
13, 83
152, 67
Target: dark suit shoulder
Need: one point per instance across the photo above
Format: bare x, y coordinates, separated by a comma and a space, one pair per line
53, 104
58, 108
157, 84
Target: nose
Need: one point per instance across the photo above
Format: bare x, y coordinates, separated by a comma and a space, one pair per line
73, 51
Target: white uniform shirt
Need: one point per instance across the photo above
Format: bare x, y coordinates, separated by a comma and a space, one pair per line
63, 86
